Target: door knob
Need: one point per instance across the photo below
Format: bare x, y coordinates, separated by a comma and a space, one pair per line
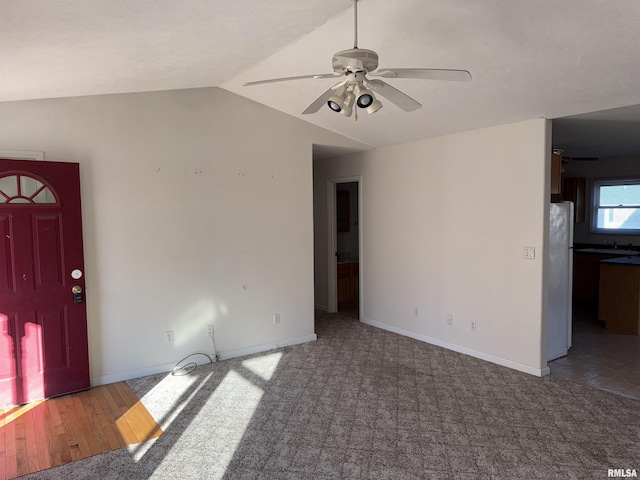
77, 294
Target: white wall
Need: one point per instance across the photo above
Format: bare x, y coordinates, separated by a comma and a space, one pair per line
444, 224
197, 209
614, 167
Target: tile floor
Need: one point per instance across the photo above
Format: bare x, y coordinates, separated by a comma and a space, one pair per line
600, 359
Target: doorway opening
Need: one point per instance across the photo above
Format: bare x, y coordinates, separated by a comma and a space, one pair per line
344, 253
599, 356
347, 250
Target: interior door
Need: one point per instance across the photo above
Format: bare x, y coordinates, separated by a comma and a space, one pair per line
43, 323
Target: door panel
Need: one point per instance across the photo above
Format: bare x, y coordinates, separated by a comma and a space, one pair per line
55, 327
31, 361
47, 251
43, 333
8, 366
6, 272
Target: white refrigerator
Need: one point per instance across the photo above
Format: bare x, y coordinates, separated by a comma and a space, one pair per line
560, 280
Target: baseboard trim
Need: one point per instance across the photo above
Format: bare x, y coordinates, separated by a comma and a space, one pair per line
460, 349
265, 347
324, 308
140, 372
200, 360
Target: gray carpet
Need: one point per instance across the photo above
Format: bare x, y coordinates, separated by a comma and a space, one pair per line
366, 403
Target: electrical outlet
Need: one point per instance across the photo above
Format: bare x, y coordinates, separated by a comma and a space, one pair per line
449, 319
168, 337
472, 326
210, 330
530, 253
276, 319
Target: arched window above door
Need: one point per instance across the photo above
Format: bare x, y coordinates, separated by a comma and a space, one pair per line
17, 187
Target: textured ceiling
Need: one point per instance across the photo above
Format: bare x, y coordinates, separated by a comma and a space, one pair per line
59, 48
529, 59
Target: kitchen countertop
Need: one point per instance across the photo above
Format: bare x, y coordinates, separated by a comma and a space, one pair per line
635, 260
608, 251
348, 260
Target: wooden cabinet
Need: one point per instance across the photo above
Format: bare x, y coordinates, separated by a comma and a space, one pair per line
619, 305
586, 275
348, 284
556, 174
574, 190
556, 178
344, 283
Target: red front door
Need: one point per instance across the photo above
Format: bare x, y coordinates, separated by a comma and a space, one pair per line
43, 325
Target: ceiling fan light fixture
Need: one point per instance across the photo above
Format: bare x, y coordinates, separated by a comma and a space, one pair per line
365, 100
337, 100
333, 105
364, 96
374, 107
347, 106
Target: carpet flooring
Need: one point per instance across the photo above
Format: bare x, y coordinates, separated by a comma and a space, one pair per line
365, 403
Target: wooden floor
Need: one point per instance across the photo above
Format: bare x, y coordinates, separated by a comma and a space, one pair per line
60, 430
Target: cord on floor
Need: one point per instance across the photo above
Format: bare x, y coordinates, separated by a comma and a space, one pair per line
189, 367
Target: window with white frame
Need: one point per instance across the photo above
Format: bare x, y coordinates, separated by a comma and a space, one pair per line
616, 206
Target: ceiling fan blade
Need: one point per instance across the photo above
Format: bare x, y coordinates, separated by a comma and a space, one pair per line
286, 79
394, 95
424, 73
320, 101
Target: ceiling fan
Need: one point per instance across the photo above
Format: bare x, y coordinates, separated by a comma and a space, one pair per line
357, 89
566, 159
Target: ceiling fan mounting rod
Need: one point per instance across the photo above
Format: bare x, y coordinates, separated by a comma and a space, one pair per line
355, 23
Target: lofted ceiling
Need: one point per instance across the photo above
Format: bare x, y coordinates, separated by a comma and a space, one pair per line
529, 59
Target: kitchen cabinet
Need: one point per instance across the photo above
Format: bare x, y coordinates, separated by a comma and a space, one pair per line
348, 284
556, 178
586, 275
619, 305
574, 190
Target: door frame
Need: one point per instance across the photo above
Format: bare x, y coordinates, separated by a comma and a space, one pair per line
21, 154
332, 243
